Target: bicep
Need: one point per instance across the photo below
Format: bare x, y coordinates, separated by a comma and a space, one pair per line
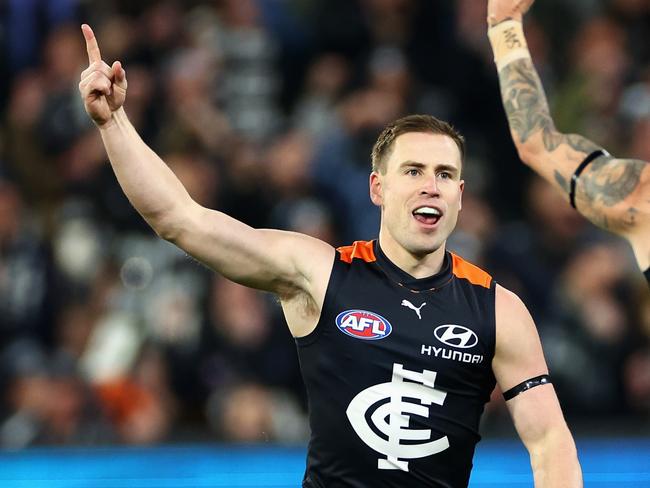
536, 414
615, 194
271, 260
518, 354
519, 357
612, 193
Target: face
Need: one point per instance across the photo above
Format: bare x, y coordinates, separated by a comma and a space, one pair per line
420, 192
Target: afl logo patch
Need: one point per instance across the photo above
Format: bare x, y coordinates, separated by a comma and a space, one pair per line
456, 336
364, 325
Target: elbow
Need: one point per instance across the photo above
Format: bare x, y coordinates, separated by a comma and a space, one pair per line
536, 147
526, 156
555, 458
167, 233
528, 151
165, 226
173, 224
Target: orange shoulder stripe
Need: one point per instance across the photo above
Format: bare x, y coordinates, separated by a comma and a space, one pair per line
359, 250
470, 272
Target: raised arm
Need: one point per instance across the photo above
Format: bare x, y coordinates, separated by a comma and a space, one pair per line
612, 193
535, 411
294, 266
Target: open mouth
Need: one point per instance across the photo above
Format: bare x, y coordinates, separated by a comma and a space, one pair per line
427, 215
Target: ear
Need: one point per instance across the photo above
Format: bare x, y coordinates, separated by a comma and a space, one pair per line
460, 195
376, 189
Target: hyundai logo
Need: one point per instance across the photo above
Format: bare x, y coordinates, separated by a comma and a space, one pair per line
456, 336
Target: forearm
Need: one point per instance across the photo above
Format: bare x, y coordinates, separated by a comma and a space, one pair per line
609, 191
554, 461
540, 145
151, 187
531, 125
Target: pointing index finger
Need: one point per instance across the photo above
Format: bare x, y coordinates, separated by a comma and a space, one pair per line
91, 44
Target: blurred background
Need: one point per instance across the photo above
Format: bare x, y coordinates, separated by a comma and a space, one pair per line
267, 110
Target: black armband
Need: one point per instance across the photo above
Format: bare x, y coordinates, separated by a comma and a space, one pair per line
581, 167
527, 385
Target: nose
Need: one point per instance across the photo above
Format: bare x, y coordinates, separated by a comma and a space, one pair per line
429, 186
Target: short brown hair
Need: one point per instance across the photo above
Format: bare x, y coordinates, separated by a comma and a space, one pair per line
411, 123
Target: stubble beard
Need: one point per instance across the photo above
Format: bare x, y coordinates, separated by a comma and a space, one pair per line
418, 243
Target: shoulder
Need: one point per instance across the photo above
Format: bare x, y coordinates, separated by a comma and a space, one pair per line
511, 312
362, 250
515, 327
463, 269
518, 353
508, 301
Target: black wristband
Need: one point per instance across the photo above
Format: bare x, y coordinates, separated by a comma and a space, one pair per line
527, 385
581, 167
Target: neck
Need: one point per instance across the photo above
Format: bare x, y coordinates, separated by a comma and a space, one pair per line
418, 265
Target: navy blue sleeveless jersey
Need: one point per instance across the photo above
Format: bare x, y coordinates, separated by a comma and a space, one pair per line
397, 371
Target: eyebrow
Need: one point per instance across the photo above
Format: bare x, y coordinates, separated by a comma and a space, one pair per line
439, 167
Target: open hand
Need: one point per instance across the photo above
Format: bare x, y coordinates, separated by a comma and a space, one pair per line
102, 87
500, 10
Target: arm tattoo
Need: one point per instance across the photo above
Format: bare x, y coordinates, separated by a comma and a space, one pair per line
527, 109
611, 180
524, 101
562, 181
606, 183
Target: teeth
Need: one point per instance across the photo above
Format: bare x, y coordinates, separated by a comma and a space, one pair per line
427, 211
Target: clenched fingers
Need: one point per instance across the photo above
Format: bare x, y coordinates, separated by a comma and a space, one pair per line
99, 66
499, 10
96, 82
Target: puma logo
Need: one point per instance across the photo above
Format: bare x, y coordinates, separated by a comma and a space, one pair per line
407, 304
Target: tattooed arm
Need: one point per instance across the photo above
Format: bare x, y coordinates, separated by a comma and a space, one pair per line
606, 192
612, 193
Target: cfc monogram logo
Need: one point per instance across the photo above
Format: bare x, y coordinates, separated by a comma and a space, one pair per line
392, 418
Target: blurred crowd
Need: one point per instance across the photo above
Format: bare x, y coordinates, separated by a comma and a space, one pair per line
267, 110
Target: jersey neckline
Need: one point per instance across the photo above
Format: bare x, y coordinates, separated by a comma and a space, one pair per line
402, 278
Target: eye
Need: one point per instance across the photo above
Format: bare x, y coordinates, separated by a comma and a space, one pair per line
445, 175
413, 172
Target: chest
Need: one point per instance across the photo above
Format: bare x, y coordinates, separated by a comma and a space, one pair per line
370, 317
